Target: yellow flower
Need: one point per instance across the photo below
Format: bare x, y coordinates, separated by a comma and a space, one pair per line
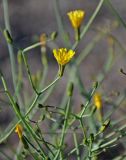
19, 131
76, 18
63, 56
98, 100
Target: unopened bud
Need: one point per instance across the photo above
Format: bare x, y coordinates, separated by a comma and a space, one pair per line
105, 125
7, 36
53, 35
95, 84
70, 89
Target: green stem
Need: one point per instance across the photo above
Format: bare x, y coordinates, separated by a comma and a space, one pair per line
38, 96
83, 129
42, 139
26, 63
34, 45
110, 142
113, 10
74, 149
88, 102
64, 128
10, 48
73, 70
31, 145
61, 29
77, 34
43, 90
33, 156
5, 155
29, 73
19, 115
31, 107
76, 145
44, 75
87, 50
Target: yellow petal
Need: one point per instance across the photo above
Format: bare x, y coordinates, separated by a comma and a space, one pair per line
76, 18
19, 130
62, 55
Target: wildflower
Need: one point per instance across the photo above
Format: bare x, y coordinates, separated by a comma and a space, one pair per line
98, 100
76, 18
19, 131
63, 56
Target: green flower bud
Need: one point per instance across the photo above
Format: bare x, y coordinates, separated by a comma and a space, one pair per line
105, 125
70, 89
7, 36
53, 35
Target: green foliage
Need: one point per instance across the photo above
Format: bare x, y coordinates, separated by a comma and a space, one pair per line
91, 130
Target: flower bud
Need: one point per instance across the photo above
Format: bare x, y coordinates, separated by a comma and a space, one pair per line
104, 125
70, 89
7, 36
53, 35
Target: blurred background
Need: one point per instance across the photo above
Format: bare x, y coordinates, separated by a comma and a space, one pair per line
29, 19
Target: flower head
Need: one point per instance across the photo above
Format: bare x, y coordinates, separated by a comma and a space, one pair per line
98, 100
19, 130
63, 56
76, 18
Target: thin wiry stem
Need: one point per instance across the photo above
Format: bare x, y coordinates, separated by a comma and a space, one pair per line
64, 128
10, 47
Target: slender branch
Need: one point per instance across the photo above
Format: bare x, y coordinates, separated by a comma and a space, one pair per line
61, 29
35, 100
64, 128
76, 145
29, 73
10, 48
19, 115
